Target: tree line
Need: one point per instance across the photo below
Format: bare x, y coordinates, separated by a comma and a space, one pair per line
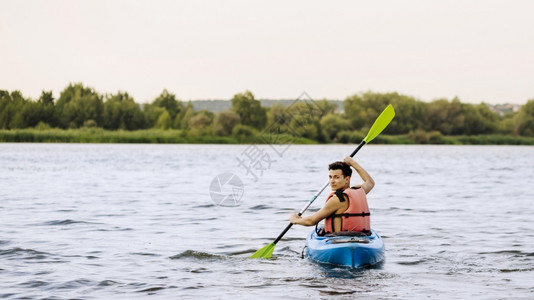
79, 106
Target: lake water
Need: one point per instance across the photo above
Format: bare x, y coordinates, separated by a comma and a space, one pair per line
108, 221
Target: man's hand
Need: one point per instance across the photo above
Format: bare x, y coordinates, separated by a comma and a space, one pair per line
349, 160
294, 219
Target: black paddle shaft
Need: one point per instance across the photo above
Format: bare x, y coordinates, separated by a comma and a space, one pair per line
358, 148
314, 197
284, 232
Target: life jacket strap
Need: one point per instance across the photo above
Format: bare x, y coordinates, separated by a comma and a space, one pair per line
339, 194
346, 215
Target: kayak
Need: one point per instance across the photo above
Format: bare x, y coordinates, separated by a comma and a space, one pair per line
356, 250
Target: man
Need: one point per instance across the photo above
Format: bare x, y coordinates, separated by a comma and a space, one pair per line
346, 208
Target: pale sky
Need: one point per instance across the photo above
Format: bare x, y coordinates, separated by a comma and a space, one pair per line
212, 49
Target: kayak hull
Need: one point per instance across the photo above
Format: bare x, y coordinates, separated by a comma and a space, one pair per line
348, 251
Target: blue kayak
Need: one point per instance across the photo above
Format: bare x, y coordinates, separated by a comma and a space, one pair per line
346, 250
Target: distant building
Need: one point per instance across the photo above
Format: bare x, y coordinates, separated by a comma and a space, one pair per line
502, 109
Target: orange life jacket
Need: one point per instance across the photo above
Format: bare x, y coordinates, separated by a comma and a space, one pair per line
356, 217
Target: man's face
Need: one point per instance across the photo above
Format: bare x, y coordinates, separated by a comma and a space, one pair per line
337, 180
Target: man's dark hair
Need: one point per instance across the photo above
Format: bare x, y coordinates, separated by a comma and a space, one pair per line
341, 165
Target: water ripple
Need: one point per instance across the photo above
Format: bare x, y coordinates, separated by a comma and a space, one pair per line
24, 253
197, 255
64, 222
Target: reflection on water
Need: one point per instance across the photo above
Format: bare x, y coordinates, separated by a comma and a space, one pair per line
124, 221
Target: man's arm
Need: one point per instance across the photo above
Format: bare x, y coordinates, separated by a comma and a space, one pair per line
329, 208
368, 182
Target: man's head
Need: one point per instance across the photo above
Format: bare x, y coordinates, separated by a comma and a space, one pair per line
339, 175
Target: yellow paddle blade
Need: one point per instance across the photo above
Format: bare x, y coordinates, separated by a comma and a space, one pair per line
265, 252
381, 123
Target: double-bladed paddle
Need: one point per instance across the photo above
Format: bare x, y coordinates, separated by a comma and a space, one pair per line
379, 125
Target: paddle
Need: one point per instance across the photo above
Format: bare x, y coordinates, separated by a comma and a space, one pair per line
380, 124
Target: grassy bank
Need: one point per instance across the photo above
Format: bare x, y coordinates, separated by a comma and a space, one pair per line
155, 136
149, 136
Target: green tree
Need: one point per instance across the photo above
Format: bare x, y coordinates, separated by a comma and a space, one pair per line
46, 102
200, 124
77, 104
249, 110
332, 124
21, 113
507, 124
164, 102
46, 98
479, 119
169, 102
323, 107
224, 122
362, 110
5, 99
152, 114
410, 114
5, 116
305, 120
243, 132
525, 119
280, 117
121, 112
18, 112
30, 114
182, 121
279, 114
355, 111
164, 120
11, 105
446, 117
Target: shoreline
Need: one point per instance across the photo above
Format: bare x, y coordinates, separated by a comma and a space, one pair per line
156, 136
